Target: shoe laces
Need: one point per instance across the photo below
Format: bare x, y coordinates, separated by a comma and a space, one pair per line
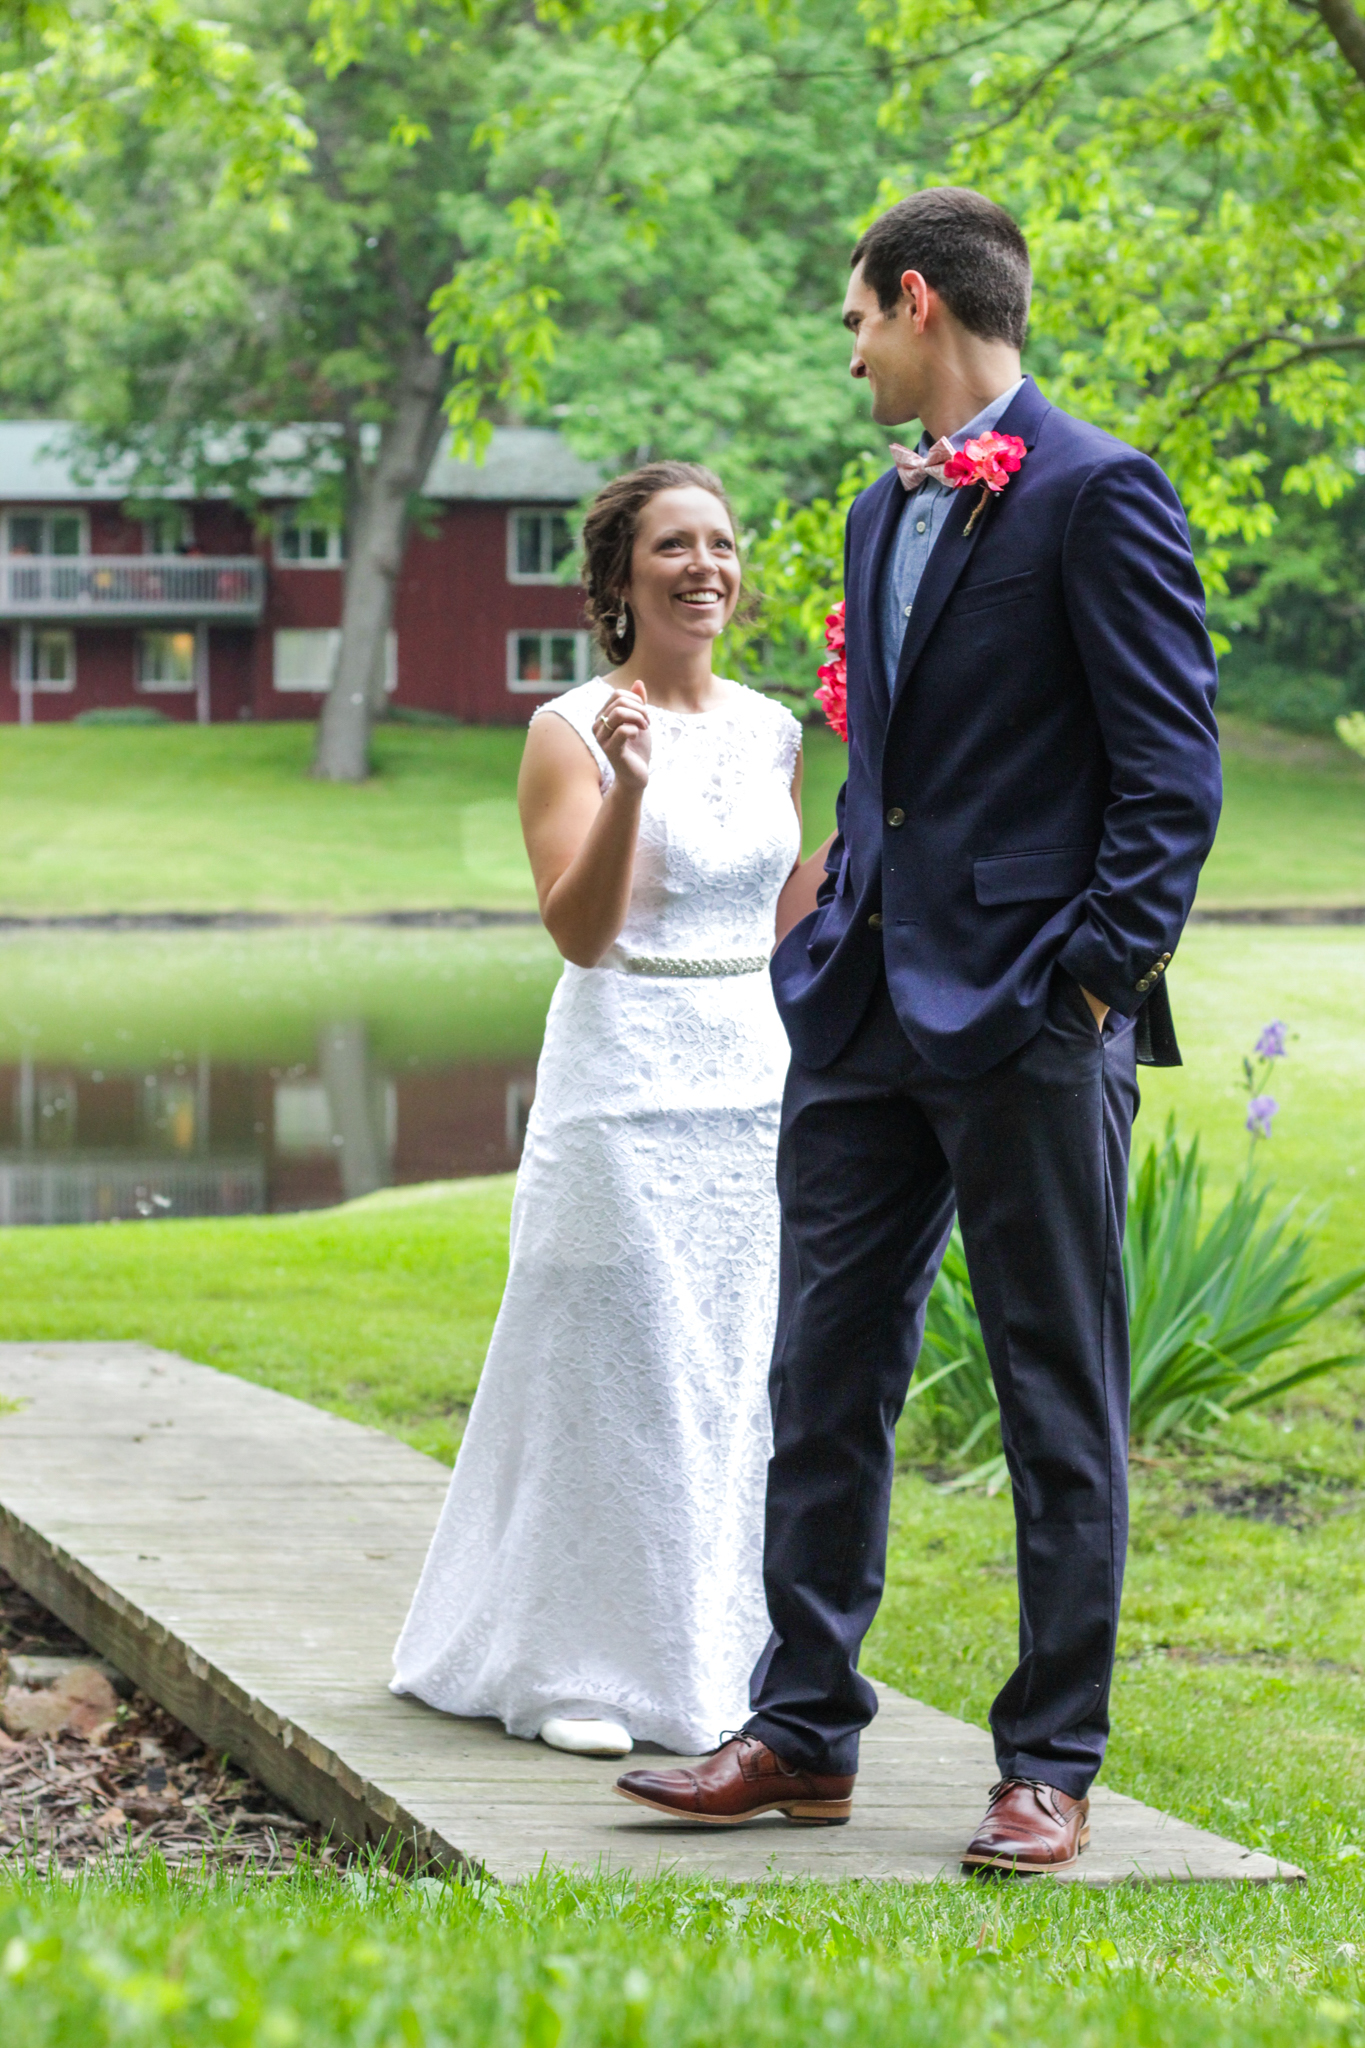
729, 1735
1045, 1794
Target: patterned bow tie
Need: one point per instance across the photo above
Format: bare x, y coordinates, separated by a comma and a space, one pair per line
912, 469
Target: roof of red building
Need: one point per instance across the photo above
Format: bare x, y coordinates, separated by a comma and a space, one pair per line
521, 465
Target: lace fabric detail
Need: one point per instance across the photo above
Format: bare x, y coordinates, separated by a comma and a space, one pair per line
600, 1550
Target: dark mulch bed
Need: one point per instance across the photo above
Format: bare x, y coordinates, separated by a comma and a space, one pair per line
140, 1783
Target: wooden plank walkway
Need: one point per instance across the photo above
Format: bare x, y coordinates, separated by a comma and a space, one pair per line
248, 1559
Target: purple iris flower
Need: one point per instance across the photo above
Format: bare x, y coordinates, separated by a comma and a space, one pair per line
1270, 1045
1260, 1110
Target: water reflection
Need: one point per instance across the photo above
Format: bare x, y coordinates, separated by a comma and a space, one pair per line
181, 1132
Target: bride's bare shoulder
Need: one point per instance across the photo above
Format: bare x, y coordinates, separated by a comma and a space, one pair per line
560, 743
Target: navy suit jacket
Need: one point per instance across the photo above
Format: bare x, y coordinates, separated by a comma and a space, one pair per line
1042, 783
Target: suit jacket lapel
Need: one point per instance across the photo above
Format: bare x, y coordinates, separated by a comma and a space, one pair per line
886, 518
951, 554
953, 549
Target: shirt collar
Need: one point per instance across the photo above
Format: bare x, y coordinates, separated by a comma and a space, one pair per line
982, 424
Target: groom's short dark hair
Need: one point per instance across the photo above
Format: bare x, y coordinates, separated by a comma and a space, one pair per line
967, 248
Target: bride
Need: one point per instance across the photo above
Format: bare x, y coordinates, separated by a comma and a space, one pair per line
595, 1577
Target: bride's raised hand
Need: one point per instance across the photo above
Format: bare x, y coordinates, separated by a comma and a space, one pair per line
621, 729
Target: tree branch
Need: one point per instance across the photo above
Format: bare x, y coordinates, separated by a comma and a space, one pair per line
647, 64
1347, 29
1039, 81
1338, 344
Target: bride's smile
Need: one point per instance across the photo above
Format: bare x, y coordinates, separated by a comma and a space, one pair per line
683, 587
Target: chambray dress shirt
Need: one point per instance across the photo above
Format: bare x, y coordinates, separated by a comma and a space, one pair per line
921, 522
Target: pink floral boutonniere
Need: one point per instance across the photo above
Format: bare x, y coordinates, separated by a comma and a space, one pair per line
990, 460
832, 696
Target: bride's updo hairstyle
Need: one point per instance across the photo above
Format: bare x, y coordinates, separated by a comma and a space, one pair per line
609, 543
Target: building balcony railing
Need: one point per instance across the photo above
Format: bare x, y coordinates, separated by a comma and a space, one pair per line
72, 588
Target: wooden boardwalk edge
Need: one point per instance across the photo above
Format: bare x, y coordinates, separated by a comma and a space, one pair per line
246, 1560
303, 1771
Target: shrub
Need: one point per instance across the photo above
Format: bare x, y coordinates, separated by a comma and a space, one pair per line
1208, 1307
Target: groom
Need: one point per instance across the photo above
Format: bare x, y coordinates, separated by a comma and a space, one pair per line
1033, 784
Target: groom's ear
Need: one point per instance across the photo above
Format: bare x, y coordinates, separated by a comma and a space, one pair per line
916, 293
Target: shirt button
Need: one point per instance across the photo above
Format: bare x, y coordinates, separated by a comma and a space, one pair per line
919, 525
895, 816
875, 921
908, 610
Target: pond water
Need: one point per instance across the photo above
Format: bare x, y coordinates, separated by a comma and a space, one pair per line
226, 1073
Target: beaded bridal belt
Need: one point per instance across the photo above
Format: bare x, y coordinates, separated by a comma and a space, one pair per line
688, 970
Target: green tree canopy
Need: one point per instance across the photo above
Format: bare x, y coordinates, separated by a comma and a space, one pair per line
633, 221
1189, 176
73, 80
652, 195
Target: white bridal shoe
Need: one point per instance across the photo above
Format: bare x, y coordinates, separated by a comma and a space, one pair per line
582, 1737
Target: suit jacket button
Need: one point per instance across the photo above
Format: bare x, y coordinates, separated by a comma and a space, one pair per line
875, 921
895, 816
1145, 984
1165, 959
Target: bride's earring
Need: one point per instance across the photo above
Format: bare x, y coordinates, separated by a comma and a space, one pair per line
622, 621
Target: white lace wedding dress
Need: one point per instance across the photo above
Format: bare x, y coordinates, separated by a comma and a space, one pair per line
600, 1548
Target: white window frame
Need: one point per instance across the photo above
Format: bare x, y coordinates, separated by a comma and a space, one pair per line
333, 633
544, 514
23, 644
335, 558
582, 659
144, 684
45, 512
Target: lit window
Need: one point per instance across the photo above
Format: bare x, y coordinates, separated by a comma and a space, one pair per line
165, 661
543, 664
306, 659
44, 660
303, 1117
44, 533
302, 544
537, 543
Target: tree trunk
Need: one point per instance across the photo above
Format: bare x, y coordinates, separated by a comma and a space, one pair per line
378, 531
1348, 32
355, 1100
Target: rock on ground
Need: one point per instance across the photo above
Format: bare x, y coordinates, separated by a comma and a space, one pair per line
88, 1776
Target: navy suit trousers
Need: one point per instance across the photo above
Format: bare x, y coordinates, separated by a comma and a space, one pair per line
876, 1151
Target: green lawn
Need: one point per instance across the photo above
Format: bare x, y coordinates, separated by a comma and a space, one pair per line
1226, 982
1292, 830
1293, 825
592, 1963
382, 1309
1240, 1694
99, 818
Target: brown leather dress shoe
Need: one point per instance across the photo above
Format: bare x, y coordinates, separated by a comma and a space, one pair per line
737, 1782
1030, 1829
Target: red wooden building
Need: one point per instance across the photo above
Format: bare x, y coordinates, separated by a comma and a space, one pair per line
204, 615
